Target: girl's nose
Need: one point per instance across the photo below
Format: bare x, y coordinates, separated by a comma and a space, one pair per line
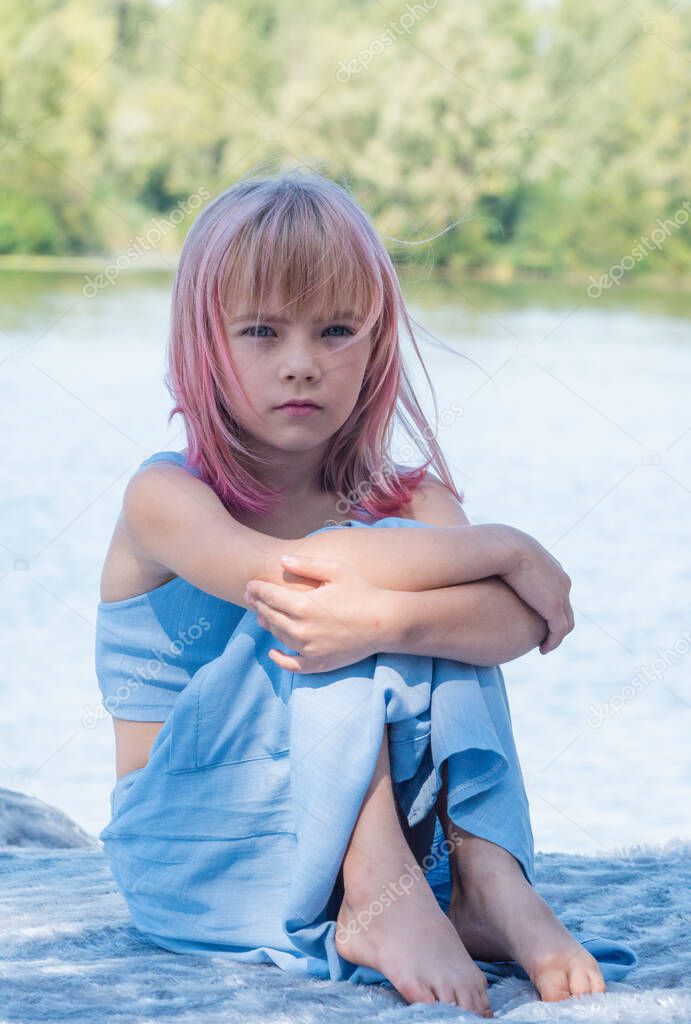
299, 364
296, 374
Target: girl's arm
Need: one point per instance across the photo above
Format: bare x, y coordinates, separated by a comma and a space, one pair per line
177, 521
481, 623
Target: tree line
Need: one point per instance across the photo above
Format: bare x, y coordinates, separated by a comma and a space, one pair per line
500, 134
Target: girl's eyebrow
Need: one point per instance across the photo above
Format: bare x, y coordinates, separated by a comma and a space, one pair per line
340, 314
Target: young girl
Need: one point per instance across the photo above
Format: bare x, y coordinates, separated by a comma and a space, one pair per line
269, 805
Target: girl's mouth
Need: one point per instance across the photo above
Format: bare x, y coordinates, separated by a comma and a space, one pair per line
299, 410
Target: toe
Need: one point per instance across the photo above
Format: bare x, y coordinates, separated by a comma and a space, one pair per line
475, 1001
465, 1001
444, 993
460, 996
585, 977
482, 1005
481, 998
417, 992
597, 982
553, 984
579, 981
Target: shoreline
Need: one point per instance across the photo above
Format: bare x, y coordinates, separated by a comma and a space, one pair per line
500, 275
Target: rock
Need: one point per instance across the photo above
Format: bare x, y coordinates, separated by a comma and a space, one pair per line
28, 822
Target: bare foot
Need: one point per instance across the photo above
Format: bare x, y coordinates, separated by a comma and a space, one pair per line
500, 916
391, 921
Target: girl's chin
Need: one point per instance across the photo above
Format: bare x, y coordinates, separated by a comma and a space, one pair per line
282, 443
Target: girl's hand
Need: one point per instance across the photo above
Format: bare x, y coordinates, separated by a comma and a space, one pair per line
334, 622
539, 579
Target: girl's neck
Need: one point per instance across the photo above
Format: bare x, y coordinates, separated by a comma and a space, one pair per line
299, 478
300, 512
297, 519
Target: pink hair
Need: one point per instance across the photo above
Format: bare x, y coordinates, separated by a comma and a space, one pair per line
306, 236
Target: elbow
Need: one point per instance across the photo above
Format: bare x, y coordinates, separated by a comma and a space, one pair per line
513, 628
528, 632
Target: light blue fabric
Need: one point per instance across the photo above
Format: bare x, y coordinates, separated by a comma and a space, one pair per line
230, 840
149, 647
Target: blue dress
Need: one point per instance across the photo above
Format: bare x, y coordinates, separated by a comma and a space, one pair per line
229, 841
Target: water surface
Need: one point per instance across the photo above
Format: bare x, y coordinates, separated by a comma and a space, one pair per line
564, 416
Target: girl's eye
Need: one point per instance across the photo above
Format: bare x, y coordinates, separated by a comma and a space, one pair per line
339, 327
257, 327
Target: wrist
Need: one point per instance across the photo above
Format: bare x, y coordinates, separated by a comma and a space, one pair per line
504, 547
395, 623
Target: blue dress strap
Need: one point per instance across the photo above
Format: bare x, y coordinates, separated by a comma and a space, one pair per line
171, 456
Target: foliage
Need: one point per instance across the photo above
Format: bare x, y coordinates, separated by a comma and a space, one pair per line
502, 134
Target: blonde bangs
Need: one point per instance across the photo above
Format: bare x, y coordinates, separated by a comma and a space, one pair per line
300, 255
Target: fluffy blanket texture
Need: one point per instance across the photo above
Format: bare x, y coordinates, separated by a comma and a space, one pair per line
69, 952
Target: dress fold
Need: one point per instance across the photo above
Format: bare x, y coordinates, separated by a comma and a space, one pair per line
231, 838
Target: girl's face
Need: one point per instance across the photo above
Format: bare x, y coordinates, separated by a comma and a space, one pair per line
280, 357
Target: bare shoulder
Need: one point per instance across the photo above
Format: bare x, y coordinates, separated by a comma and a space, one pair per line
162, 502
433, 503
128, 568
162, 492
170, 523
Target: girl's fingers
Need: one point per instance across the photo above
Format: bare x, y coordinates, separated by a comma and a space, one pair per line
271, 595
552, 640
286, 661
546, 645
552, 643
281, 625
558, 628
324, 569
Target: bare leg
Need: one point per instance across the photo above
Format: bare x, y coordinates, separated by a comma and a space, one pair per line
390, 919
500, 916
